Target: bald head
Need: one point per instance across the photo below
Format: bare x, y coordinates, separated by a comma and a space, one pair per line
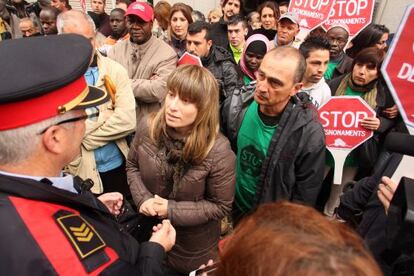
292, 54
70, 21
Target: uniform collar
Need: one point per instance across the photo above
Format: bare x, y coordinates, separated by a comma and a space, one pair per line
64, 182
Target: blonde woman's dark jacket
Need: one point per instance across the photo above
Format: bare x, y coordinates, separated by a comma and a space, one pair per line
204, 196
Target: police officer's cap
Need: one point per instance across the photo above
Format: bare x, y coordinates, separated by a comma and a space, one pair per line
42, 77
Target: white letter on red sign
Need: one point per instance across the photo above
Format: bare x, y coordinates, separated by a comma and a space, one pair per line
406, 72
323, 118
360, 115
298, 3
336, 113
352, 116
363, 4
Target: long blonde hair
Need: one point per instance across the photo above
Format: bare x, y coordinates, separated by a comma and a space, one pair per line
199, 86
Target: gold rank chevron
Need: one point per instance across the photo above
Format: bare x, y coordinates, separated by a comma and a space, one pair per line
82, 233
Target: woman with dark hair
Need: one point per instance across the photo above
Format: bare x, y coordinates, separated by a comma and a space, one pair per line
255, 48
180, 18
290, 239
363, 81
269, 16
180, 167
374, 35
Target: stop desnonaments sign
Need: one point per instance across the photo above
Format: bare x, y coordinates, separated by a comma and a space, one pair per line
398, 68
341, 119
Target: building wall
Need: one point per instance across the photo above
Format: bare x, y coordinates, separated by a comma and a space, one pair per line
390, 13
202, 5
387, 12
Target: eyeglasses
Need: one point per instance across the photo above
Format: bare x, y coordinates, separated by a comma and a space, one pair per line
74, 119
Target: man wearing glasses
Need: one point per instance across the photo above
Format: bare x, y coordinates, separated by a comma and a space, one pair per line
279, 142
51, 223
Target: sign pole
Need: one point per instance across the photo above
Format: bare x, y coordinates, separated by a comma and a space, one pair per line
339, 157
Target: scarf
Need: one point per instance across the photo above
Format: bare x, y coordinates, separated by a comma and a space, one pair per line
369, 90
250, 40
173, 167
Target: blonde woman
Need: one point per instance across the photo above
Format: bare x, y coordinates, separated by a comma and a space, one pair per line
182, 168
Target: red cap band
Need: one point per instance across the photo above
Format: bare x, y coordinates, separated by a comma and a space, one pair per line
23, 113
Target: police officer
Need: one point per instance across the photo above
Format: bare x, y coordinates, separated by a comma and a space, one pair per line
47, 227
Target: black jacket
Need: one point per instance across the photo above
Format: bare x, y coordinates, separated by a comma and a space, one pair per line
361, 207
50, 231
343, 67
218, 33
221, 63
295, 160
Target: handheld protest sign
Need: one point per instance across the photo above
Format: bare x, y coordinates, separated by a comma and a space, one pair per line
341, 119
355, 14
312, 13
398, 69
188, 58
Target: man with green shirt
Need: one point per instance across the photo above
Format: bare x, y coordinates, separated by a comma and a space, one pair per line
279, 141
339, 62
236, 32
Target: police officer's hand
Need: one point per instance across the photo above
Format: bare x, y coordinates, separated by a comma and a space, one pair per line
113, 201
147, 208
164, 234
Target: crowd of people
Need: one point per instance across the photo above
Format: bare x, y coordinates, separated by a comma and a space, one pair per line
119, 161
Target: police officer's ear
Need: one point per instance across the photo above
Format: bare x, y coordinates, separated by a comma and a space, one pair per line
54, 139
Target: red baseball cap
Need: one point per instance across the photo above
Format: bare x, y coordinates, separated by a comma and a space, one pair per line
142, 10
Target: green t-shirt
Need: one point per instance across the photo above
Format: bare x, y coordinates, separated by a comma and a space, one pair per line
331, 68
246, 80
252, 143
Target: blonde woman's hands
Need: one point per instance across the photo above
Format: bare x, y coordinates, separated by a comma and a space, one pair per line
147, 208
161, 206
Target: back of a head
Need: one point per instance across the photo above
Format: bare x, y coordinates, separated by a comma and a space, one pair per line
198, 16
293, 54
74, 19
161, 13
289, 239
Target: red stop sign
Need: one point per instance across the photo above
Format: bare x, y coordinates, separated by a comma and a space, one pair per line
312, 13
356, 14
341, 117
398, 68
